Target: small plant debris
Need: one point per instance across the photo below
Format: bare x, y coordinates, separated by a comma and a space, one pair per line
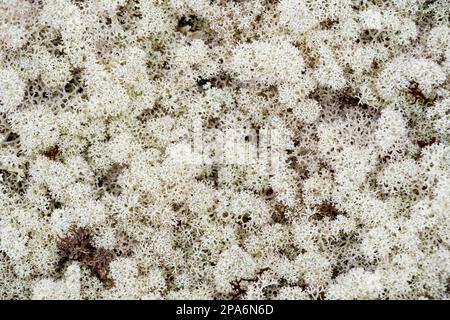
78, 246
52, 153
327, 209
418, 95
238, 290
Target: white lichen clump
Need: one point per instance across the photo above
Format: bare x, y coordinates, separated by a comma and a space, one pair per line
123, 174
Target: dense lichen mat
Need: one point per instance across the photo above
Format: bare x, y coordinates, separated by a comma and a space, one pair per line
224, 149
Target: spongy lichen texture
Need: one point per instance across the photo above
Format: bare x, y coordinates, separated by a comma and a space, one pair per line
100, 200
